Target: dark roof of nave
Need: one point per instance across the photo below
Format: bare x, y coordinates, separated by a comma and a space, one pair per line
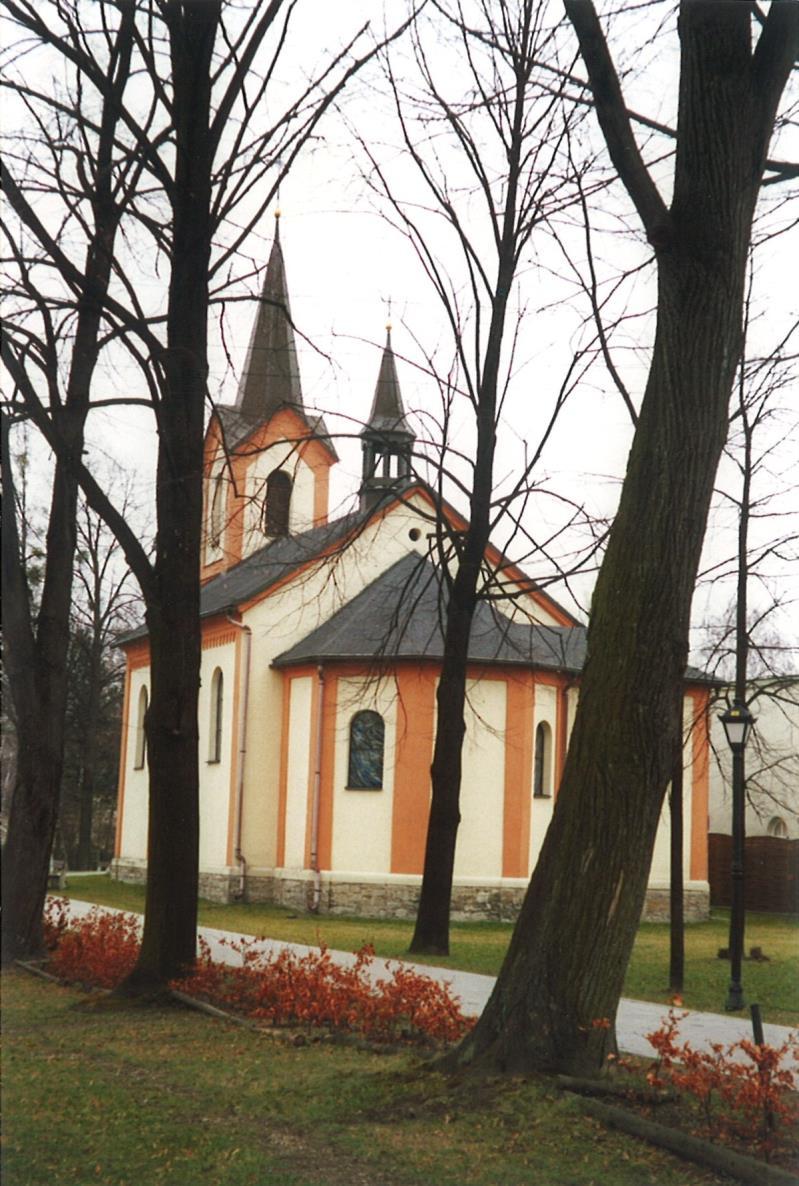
276, 560
400, 615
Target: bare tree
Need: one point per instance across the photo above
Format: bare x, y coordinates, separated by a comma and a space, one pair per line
206, 162
36, 640
487, 141
103, 606
567, 958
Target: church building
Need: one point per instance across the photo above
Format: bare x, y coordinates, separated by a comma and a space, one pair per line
322, 643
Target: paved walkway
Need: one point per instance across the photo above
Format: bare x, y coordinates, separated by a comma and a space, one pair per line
633, 1020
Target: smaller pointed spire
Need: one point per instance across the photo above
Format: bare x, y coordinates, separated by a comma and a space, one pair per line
271, 375
388, 413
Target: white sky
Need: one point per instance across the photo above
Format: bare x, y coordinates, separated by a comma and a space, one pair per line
344, 262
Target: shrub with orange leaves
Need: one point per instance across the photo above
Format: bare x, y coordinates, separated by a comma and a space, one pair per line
312, 989
755, 1093
282, 988
98, 950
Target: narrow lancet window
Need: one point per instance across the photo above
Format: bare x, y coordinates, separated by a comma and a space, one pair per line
140, 744
215, 722
278, 503
542, 767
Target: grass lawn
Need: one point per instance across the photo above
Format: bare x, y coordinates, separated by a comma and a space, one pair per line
480, 946
137, 1097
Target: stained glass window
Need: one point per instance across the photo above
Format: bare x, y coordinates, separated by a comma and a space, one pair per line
367, 735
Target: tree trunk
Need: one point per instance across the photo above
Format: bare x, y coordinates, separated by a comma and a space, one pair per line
431, 933
84, 855
173, 616
556, 997
36, 665
676, 880
37, 652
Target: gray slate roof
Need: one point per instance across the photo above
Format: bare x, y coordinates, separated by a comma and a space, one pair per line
278, 559
236, 427
271, 375
399, 615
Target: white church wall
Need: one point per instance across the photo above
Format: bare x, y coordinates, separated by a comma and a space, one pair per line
545, 712
362, 818
215, 776
133, 841
278, 622
772, 765
298, 770
479, 847
660, 869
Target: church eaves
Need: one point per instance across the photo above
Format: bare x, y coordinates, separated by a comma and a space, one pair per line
271, 376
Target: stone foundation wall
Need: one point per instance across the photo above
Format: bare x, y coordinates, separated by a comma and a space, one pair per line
696, 904
398, 898
495, 903
131, 872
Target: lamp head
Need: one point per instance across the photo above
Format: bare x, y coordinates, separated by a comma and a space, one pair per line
737, 721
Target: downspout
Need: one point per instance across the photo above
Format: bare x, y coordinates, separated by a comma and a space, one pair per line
316, 897
242, 751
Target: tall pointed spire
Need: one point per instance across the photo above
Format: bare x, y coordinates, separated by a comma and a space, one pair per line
271, 375
387, 439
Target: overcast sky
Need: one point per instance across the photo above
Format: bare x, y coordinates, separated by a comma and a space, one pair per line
345, 263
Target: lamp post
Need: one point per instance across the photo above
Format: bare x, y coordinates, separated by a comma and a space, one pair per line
737, 722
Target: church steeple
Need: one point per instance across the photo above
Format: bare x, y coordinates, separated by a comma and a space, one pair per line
271, 375
386, 439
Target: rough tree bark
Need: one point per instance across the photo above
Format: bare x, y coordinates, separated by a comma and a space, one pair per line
173, 612
569, 951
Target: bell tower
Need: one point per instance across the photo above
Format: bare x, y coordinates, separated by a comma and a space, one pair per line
386, 439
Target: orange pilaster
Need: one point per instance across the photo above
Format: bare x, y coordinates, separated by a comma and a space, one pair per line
519, 718
414, 755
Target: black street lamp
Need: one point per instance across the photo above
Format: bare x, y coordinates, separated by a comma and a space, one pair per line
737, 722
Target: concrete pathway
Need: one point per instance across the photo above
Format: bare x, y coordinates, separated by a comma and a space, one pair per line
634, 1019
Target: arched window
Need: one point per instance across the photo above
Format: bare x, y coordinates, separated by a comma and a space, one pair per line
777, 827
542, 762
367, 735
278, 502
140, 746
216, 519
215, 720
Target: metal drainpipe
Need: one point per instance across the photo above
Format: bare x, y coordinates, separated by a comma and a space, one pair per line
317, 790
237, 853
